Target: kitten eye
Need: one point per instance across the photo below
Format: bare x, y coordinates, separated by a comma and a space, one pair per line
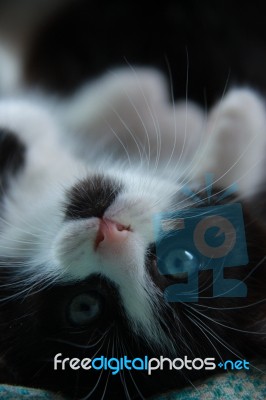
84, 308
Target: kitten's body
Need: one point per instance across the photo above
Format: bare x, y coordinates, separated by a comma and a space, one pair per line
80, 185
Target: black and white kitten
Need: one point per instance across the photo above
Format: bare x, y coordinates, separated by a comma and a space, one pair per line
81, 180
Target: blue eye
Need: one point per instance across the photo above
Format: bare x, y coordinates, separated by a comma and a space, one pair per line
84, 308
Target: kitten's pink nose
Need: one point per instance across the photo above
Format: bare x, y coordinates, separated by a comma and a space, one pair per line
111, 232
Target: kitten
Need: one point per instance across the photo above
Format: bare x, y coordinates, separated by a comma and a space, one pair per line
81, 180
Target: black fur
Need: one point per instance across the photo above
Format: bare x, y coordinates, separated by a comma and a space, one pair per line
12, 156
91, 197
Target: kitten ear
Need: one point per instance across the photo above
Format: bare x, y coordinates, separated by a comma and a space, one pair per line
12, 156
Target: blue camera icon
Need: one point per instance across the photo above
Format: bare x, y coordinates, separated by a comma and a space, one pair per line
198, 239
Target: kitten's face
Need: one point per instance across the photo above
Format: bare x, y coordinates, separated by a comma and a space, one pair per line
79, 274
90, 287
108, 231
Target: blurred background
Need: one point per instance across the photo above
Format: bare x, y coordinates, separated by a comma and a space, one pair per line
65, 42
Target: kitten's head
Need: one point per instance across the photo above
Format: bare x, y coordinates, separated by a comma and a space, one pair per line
79, 277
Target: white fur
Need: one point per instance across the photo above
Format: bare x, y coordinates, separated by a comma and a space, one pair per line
132, 112
10, 70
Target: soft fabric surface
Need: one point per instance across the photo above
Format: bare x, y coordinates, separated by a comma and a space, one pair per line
16, 393
248, 385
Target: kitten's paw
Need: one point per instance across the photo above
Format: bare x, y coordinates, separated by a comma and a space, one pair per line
236, 140
130, 111
121, 97
119, 110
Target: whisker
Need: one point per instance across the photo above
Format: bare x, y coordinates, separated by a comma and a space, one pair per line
224, 325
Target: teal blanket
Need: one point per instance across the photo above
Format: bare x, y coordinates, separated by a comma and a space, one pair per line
248, 385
